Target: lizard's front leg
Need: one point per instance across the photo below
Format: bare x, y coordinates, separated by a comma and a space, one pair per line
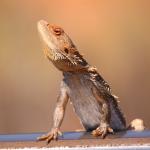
104, 127
57, 117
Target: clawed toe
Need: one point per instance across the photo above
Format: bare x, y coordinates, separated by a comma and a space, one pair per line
102, 131
48, 137
41, 138
53, 135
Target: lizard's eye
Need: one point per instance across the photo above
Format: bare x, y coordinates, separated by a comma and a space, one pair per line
57, 30
66, 50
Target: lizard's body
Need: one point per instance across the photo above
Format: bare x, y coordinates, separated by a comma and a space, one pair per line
81, 99
86, 106
89, 93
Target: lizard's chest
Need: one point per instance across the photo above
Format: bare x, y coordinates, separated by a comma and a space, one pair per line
80, 89
83, 101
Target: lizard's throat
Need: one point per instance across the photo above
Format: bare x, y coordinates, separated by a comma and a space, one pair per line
66, 66
64, 63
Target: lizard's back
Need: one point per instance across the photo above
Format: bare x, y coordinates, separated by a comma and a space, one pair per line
86, 105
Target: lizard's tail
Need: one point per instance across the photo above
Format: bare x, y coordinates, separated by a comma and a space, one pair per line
118, 121
137, 125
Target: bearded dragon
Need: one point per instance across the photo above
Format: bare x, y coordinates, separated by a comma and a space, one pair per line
90, 95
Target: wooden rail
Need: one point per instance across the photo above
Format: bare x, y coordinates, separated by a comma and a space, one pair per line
124, 140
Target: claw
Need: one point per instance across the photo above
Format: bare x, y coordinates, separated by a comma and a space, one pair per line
102, 131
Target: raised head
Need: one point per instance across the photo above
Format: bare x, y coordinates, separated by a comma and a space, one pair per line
59, 48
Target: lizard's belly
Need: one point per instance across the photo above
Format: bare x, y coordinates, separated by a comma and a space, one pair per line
85, 105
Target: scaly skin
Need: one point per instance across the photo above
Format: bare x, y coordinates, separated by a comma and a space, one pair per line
91, 96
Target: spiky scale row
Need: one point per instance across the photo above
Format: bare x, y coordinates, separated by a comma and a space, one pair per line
106, 91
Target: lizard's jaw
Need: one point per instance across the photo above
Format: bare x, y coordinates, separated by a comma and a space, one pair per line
45, 34
49, 41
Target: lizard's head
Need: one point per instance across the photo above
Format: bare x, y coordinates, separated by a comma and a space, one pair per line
59, 48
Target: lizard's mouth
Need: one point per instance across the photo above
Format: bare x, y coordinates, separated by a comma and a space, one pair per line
44, 32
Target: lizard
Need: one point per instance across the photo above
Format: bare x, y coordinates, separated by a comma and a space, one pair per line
91, 96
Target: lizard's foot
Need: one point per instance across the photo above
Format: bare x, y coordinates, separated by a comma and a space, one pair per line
52, 135
102, 131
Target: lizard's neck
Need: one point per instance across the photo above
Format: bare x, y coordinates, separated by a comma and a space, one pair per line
71, 73
73, 77
84, 71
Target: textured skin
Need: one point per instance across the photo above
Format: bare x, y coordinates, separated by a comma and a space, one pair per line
87, 106
91, 96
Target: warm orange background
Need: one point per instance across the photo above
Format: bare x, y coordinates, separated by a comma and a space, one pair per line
114, 36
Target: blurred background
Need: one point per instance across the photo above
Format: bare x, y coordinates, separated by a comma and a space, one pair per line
113, 35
